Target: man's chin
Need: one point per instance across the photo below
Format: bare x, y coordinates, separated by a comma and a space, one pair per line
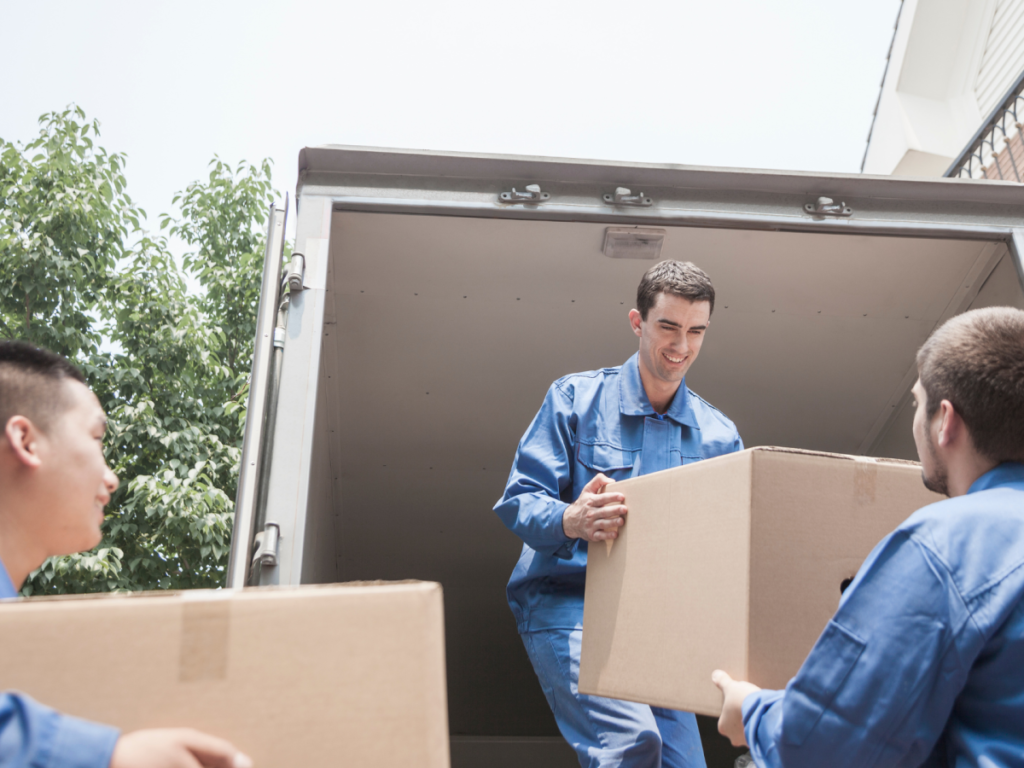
83, 543
938, 484
672, 374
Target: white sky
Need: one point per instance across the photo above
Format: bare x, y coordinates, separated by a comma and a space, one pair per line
787, 84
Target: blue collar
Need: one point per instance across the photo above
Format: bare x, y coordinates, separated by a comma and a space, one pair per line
633, 398
1007, 473
6, 587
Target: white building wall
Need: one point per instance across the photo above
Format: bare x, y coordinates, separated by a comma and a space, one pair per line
1003, 59
951, 63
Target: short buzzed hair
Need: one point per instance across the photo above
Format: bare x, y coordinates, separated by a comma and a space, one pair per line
32, 383
679, 278
976, 362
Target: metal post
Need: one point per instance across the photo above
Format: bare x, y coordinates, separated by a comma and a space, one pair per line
259, 386
1016, 244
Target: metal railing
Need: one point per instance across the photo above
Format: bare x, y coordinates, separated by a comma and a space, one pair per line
999, 140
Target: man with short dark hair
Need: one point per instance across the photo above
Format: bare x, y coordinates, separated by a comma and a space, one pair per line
595, 428
923, 663
55, 483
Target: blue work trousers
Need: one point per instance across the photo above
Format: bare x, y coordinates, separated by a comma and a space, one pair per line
608, 733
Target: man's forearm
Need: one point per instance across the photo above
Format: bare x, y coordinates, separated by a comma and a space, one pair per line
536, 518
38, 735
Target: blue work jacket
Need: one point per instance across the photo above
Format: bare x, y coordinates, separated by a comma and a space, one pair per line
593, 422
923, 663
36, 736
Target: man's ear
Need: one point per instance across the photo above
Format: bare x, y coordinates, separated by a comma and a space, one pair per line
635, 320
950, 423
23, 441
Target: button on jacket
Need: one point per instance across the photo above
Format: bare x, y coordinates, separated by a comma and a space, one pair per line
594, 422
36, 736
923, 663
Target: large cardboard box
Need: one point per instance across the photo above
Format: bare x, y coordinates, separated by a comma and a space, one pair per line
734, 563
306, 676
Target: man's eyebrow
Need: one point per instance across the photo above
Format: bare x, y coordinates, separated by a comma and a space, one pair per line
663, 321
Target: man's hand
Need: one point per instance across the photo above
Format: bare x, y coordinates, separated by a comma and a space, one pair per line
176, 748
730, 724
595, 516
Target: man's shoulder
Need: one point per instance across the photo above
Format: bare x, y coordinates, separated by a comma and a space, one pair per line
978, 538
708, 414
572, 383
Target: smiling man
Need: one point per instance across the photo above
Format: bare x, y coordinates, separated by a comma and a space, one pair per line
595, 428
54, 484
923, 663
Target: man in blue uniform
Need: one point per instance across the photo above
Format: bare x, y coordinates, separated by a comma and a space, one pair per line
595, 428
923, 663
54, 483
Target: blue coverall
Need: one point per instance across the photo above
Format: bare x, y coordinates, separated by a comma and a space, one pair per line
35, 736
923, 663
590, 423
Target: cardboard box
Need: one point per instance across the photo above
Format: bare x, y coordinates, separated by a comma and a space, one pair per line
735, 563
311, 676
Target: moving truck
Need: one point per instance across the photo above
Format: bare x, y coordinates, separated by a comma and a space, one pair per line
433, 297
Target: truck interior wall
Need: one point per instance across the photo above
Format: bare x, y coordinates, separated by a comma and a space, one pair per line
442, 335
1002, 288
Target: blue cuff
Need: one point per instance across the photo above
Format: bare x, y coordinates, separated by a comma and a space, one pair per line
756, 706
567, 550
81, 744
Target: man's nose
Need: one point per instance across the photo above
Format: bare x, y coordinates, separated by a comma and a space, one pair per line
110, 480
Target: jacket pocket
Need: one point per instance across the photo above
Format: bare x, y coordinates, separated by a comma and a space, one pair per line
816, 684
613, 461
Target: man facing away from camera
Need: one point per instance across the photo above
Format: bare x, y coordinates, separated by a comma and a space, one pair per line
923, 663
54, 484
592, 429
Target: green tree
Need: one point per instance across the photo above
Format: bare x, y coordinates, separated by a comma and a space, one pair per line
64, 217
170, 366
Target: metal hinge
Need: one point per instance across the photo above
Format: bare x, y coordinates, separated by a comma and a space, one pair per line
824, 206
531, 194
265, 551
623, 196
296, 271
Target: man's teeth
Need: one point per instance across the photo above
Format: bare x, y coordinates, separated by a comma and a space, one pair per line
674, 359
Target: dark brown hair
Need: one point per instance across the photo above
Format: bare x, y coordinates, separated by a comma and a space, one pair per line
31, 383
679, 278
976, 361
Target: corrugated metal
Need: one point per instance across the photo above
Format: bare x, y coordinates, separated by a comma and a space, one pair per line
1003, 60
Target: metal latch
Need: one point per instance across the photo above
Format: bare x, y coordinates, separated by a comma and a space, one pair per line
532, 194
265, 552
296, 269
623, 196
824, 206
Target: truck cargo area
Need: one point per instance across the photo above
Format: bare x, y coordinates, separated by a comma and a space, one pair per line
437, 335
